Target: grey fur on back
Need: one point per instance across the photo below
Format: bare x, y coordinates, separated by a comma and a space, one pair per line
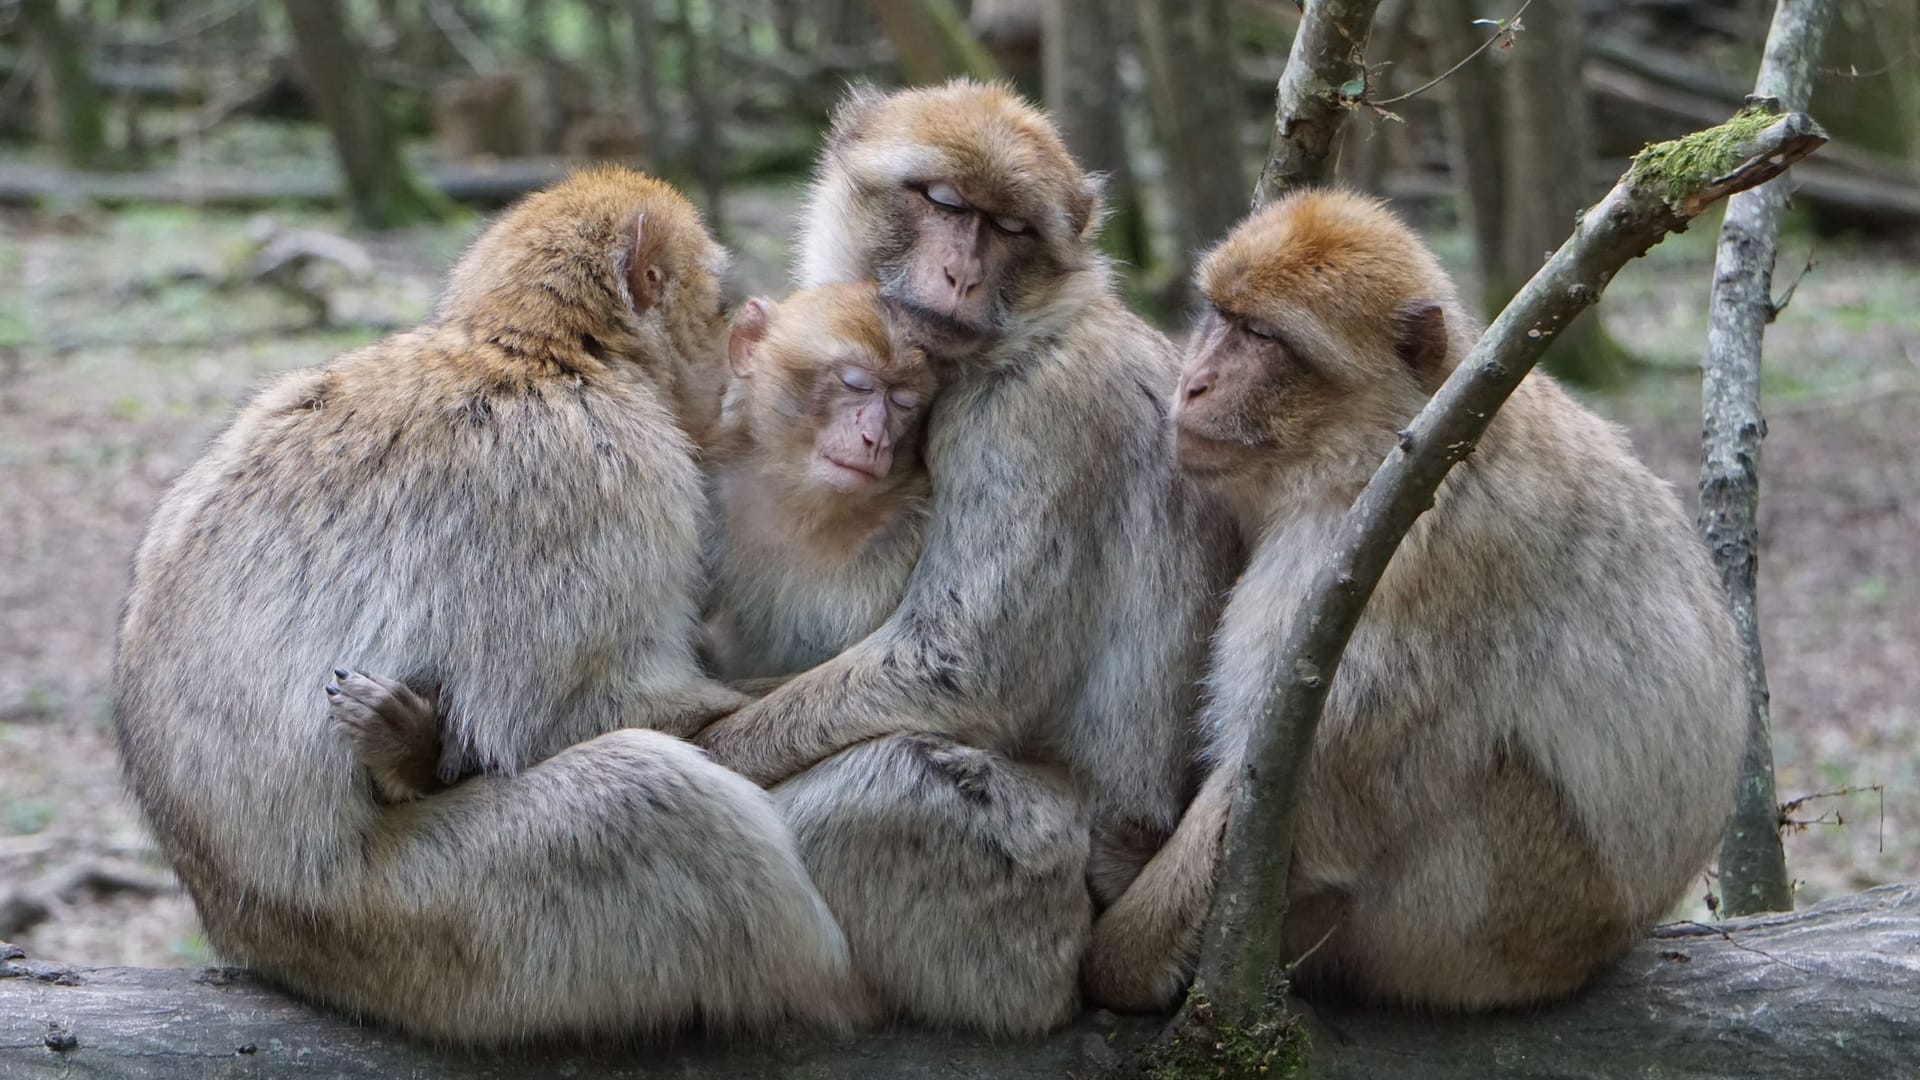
516, 522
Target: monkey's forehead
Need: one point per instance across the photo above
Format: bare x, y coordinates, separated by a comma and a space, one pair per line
1340, 253
1003, 153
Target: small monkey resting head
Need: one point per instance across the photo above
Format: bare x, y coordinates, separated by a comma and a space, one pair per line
608, 267
964, 204
828, 396
1328, 324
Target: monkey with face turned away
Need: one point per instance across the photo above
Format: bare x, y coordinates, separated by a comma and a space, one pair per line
503, 504
958, 874
1530, 746
1070, 575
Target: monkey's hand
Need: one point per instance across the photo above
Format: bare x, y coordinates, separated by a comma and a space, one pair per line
395, 732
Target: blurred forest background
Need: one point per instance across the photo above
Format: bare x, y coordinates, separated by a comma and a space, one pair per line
197, 192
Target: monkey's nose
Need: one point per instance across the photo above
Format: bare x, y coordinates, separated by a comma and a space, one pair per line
1200, 383
963, 278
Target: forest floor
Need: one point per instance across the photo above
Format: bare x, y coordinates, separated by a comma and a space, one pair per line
126, 337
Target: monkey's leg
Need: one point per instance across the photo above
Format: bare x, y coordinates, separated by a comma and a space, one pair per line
1501, 904
958, 875
1145, 946
394, 731
625, 885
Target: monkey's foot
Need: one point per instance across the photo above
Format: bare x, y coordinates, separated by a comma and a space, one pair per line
395, 732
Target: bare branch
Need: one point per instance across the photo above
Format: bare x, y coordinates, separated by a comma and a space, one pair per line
1502, 31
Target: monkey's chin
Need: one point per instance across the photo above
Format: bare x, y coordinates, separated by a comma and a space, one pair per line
940, 334
845, 479
1201, 455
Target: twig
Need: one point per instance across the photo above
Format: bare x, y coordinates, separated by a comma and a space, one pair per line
1329, 50
1503, 28
1294, 964
1728, 938
1788, 808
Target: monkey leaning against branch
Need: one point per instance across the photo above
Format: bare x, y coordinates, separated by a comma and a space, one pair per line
1530, 745
1070, 574
503, 504
958, 874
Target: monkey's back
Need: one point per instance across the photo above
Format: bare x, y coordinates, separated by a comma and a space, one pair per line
425, 506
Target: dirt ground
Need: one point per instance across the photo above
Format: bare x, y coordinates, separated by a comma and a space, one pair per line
125, 338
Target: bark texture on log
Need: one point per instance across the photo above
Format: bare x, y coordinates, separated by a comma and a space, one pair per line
1829, 990
1753, 866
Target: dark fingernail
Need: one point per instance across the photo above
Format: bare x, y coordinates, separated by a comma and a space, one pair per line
332, 690
339, 673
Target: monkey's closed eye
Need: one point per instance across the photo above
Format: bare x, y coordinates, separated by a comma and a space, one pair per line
943, 195
856, 379
906, 399
1261, 330
1011, 226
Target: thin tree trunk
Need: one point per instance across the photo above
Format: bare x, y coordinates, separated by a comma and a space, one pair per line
1188, 49
381, 188
1081, 40
655, 134
930, 40
1547, 151
1308, 103
1753, 866
708, 148
1242, 974
73, 113
1473, 112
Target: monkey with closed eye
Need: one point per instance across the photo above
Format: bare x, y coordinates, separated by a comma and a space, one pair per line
1070, 574
1529, 749
957, 873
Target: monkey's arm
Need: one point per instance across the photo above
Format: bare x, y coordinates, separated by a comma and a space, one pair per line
985, 638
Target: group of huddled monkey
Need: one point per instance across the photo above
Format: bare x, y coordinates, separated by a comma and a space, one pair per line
890, 653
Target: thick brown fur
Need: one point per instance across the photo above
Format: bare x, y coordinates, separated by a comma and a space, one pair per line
502, 505
1070, 574
1530, 746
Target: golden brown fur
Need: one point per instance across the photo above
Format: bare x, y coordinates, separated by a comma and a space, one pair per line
501, 505
1529, 748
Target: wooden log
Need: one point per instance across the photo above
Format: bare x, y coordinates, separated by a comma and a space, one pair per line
1829, 990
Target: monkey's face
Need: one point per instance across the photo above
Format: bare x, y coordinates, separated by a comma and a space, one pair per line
1246, 396
959, 259
834, 395
963, 203
861, 413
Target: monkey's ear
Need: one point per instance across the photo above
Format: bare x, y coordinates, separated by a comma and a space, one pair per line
1421, 340
1085, 211
852, 113
749, 329
646, 277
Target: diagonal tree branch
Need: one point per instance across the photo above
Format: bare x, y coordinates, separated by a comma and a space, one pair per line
1241, 970
1753, 867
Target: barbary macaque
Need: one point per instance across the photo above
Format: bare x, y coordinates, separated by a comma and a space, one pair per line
502, 507
1070, 574
819, 496
958, 874
1530, 746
